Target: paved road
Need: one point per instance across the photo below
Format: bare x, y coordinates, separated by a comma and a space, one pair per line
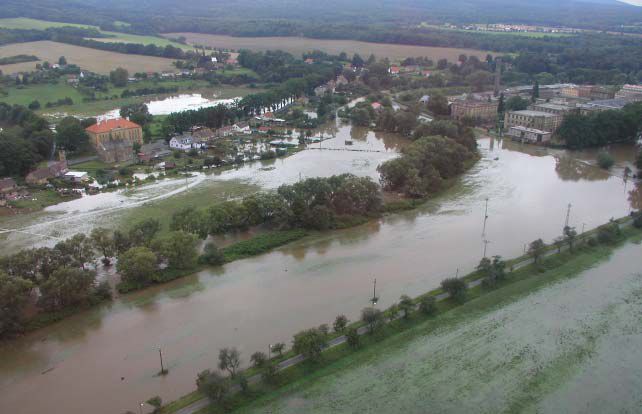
202, 403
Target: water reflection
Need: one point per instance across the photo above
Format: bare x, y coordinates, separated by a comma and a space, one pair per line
571, 169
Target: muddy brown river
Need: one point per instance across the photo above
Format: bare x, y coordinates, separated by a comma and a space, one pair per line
105, 360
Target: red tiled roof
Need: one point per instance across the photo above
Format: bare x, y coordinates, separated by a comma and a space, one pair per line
111, 124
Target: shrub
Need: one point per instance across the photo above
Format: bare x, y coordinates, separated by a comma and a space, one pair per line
428, 305
455, 287
605, 160
352, 337
211, 255
608, 233
373, 319
340, 323
637, 222
261, 244
258, 359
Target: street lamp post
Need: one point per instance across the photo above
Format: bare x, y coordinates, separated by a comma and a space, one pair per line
140, 408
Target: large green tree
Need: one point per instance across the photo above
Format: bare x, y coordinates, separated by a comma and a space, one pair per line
119, 77
137, 265
178, 248
14, 296
66, 287
71, 136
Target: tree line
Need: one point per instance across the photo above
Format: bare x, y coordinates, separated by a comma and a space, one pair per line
313, 203
602, 127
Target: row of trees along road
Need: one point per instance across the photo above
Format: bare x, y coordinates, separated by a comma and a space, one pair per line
310, 343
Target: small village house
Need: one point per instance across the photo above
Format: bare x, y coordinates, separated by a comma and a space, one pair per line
7, 186
43, 175
185, 143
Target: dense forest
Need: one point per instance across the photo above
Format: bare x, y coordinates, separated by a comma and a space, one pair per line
153, 15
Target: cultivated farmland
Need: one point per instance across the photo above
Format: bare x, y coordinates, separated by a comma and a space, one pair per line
299, 45
98, 61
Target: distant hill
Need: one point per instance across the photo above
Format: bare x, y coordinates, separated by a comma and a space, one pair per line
169, 15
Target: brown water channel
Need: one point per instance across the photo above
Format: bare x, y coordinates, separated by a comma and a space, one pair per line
105, 360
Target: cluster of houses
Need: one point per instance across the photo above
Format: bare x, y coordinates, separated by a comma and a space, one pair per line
395, 70
330, 86
542, 118
11, 191
200, 137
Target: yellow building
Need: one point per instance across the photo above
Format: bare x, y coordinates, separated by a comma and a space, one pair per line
114, 139
479, 110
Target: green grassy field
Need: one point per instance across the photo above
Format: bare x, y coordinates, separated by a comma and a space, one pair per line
43, 93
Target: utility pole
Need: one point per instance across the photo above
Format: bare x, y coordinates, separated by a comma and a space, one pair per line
374, 293
485, 246
568, 215
485, 218
160, 355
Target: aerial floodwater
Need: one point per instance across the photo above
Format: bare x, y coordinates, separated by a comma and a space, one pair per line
571, 347
109, 355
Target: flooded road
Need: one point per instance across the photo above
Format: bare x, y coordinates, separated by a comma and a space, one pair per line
108, 356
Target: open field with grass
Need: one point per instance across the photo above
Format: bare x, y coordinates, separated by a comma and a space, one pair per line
43, 93
546, 341
95, 60
35, 24
299, 45
26, 23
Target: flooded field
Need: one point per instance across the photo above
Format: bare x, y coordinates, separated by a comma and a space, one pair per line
112, 350
571, 347
300, 45
160, 199
177, 103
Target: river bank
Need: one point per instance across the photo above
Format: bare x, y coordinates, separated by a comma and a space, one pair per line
528, 278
